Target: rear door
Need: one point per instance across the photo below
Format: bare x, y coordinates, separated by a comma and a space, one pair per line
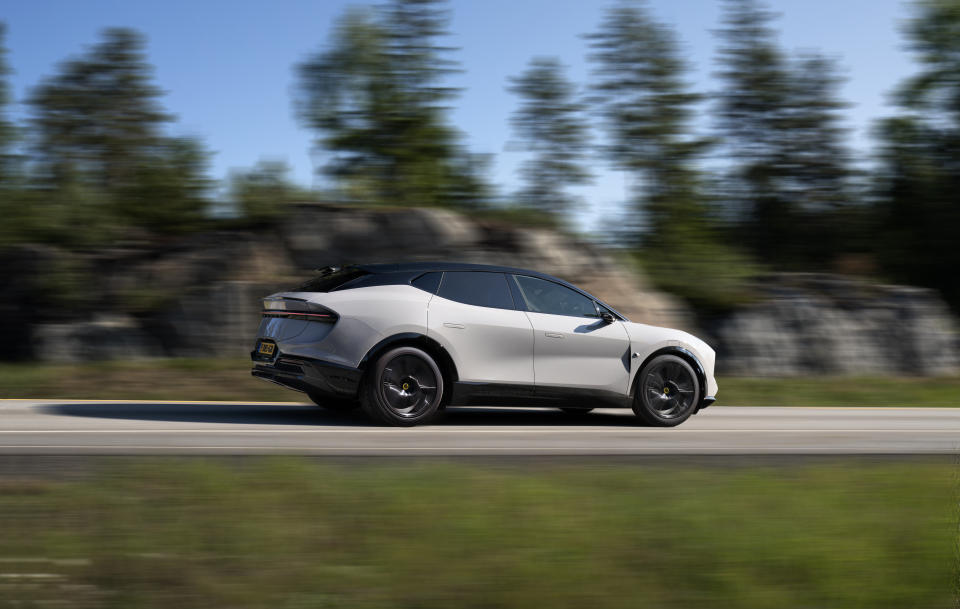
474, 317
572, 346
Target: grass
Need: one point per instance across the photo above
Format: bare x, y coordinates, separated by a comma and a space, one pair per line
840, 391
160, 379
229, 379
292, 533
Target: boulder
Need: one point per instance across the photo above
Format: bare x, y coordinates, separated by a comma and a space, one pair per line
831, 325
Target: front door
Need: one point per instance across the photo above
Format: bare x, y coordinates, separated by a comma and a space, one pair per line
572, 346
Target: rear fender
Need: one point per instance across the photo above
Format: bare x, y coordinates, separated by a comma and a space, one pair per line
413, 339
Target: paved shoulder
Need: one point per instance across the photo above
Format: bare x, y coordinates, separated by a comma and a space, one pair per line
111, 427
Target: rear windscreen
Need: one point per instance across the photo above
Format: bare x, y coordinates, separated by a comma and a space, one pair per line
331, 280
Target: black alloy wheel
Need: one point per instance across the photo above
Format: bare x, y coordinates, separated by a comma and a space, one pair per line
668, 391
404, 388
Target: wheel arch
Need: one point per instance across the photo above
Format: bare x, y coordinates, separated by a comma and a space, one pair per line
421, 341
682, 353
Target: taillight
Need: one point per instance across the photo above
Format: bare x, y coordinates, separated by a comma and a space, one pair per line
295, 308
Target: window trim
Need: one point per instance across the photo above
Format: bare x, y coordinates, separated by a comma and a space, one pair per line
435, 290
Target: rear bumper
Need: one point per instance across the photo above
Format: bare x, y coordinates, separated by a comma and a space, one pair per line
310, 376
708, 400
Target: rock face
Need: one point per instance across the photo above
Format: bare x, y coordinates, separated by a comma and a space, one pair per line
200, 296
823, 324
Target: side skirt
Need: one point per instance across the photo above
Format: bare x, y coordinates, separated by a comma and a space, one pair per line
467, 393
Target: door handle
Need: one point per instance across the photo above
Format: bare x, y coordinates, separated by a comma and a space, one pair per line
553, 335
447, 324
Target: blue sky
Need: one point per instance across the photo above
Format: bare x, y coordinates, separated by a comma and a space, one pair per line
227, 66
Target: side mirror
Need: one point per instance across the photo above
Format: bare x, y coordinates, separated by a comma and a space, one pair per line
607, 317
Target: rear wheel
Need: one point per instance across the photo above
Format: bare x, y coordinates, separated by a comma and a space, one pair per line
667, 391
403, 388
334, 404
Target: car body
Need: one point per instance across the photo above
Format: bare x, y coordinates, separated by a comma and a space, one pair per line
471, 334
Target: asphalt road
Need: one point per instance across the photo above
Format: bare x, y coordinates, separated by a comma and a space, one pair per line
103, 428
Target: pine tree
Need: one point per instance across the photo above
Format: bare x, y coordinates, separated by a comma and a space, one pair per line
647, 109
920, 176
780, 118
7, 130
376, 99
99, 136
550, 123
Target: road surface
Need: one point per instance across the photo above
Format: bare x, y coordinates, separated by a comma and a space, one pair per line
52, 427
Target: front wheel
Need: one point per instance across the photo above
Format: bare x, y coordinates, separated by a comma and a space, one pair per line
667, 392
403, 388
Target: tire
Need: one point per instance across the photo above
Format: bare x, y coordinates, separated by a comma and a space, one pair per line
576, 411
333, 404
403, 388
668, 391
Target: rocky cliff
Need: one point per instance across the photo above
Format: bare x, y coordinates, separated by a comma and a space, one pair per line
200, 296
824, 324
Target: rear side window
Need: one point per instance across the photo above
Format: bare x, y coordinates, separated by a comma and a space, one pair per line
428, 282
476, 288
542, 296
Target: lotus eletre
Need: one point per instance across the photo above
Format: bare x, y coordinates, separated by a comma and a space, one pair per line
404, 341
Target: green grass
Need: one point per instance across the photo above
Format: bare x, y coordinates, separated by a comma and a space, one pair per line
840, 391
229, 379
290, 533
160, 379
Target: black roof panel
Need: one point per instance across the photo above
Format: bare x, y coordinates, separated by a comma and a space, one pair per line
416, 267
426, 267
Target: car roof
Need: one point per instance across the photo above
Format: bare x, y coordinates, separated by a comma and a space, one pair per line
417, 267
426, 267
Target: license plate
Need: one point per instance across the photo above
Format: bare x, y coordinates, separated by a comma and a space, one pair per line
266, 348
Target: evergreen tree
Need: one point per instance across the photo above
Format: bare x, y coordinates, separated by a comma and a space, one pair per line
790, 183
6, 128
647, 108
550, 123
98, 114
99, 133
920, 176
376, 99
260, 194
10, 209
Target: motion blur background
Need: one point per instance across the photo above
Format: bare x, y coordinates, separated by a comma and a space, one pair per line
779, 178
777, 201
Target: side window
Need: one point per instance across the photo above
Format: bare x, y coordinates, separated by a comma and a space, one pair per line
542, 296
428, 282
476, 288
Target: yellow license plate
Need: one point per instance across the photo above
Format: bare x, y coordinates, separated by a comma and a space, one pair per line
266, 348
